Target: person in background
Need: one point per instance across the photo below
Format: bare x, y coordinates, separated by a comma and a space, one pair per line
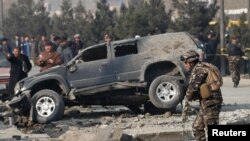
17, 41
34, 49
77, 44
48, 58
52, 36
21, 42
211, 47
65, 51
107, 39
56, 43
20, 66
26, 49
42, 43
234, 56
5, 47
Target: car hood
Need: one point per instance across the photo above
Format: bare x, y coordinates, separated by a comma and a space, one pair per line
60, 70
56, 69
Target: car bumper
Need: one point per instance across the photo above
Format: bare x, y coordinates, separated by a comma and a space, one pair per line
20, 104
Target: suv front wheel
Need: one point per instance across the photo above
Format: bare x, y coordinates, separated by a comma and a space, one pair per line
165, 92
48, 106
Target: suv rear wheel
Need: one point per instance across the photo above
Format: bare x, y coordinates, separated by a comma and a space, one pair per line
165, 92
47, 106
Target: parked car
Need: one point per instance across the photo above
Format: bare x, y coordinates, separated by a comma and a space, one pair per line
4, 76
128, 72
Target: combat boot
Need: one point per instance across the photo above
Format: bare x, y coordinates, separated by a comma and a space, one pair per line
236, 84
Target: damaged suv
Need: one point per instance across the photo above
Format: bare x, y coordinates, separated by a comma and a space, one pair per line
128, 72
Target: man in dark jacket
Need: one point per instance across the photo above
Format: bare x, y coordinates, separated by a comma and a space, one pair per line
77, 45
65, 51
4, 47
20, 66
34, 49
17, 41
234, 55
211, 47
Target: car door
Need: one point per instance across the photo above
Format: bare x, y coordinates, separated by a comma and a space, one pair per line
92, 68
128, 59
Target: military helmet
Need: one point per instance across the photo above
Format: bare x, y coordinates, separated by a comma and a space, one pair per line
190, 56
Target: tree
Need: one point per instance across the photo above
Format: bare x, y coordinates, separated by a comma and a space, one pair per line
10, 23
56, 25
19, 20
104, 20
83, 21
63, 23
192, 16
40, 19
242, 31
157, 17
142, 19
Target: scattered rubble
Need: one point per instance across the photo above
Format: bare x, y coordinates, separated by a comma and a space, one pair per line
88, 125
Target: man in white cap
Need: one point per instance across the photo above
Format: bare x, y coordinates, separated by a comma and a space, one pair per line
77, 44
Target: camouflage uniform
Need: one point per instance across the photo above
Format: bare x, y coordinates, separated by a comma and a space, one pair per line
234, 66
209, 107
234, 55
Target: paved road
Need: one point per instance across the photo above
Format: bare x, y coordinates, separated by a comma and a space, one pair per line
239, 96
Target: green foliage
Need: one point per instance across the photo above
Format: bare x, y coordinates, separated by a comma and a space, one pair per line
142, 19
20, 19
104, 20
10, 24
83, 21
56, 25
40, 19
242, 31
192, 16
66, 19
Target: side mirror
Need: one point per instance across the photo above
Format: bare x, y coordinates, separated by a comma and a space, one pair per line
72, 68
78, 61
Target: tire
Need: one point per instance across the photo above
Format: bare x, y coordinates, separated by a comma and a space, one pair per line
165, 92
45, 112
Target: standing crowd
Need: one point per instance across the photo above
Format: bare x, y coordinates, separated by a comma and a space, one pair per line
25, 51
32, 47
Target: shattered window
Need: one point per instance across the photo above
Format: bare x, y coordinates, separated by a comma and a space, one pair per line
94, 54
126, 49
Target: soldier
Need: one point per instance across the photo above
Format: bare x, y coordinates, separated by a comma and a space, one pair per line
234, 55
210, 106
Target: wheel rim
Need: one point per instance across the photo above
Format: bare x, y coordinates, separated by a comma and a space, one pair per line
166, 91
45, 106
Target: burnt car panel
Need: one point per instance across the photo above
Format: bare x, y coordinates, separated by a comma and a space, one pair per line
127, 60
93, 67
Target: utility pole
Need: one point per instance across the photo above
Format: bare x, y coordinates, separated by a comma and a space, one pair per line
222, 38
1, 18
248, 13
